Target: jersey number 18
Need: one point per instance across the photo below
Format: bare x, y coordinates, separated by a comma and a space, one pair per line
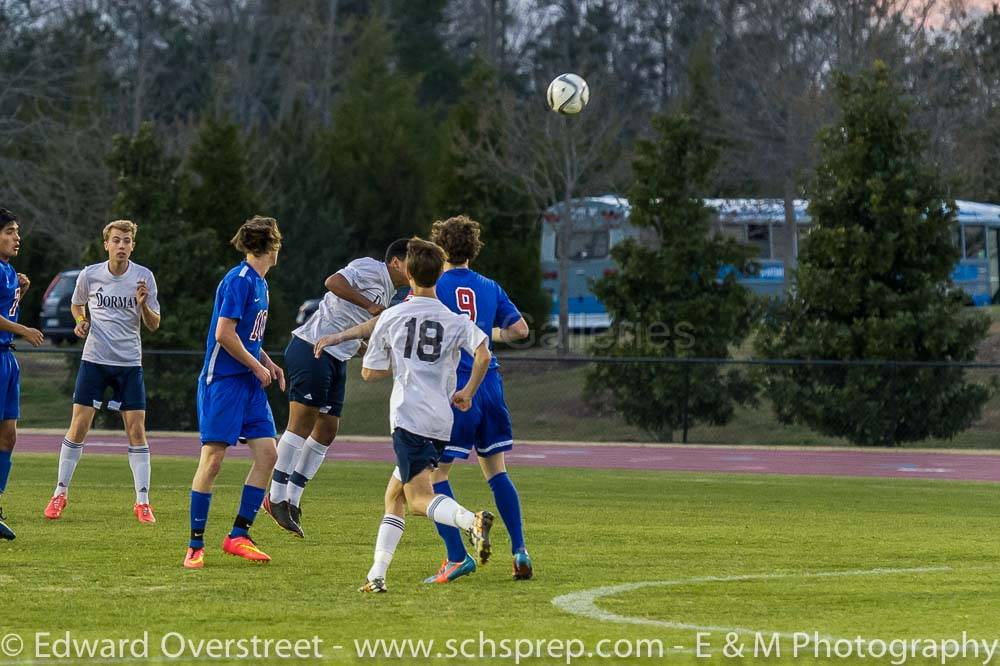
429, 345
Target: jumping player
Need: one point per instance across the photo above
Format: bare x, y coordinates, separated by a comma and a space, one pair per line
231, 398
355, 293
13, 286
120, 297
421, 341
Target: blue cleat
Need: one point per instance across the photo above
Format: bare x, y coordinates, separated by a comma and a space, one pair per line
449, 571
522, 566
5, 531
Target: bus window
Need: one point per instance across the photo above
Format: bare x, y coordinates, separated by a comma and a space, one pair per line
586, 245
759, 235
975, 242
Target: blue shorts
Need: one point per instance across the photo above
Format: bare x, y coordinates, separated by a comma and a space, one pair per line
126, 383
415, 453
486, 426
10, 386
233, 407
317, 382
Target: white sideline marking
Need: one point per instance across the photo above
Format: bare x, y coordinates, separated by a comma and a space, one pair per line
925, 470
584, 602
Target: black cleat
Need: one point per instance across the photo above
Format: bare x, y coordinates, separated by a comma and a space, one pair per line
282, 516
5, 531
296, 513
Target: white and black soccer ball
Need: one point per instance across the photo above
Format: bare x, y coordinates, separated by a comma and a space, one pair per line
568, 94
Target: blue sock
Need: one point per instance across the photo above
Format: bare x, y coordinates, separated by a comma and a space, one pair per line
509, 505
5, 464
249, 503
199, 516
450, 535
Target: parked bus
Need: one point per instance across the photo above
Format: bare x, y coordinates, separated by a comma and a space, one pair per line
600, 223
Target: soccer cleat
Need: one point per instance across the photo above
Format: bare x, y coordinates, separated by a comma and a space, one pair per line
195, 558
479, 536
449, 571
522, 566
5, 531
144, 513
54, 509
296, 514
244, 547
282, 516
377, 586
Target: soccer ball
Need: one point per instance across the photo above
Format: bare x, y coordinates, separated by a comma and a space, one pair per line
568, 94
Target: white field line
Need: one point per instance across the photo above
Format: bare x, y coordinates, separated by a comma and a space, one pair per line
583, 603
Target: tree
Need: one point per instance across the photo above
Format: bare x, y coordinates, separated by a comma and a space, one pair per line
873, 284
675, 295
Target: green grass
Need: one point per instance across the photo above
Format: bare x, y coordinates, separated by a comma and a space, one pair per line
100, 574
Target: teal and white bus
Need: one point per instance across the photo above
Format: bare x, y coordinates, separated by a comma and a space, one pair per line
600, 223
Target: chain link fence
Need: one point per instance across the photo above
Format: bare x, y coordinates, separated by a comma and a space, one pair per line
550, 399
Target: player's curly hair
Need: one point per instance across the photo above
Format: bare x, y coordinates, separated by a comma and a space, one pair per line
124, 226
459, 238
424, 261
258, 236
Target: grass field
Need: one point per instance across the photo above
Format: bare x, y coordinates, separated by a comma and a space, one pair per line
99, 574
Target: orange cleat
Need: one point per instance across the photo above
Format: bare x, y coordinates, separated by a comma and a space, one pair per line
195, 558
54, 509
144, 513
244, 547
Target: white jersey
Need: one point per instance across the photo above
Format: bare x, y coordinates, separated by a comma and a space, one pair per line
424, 340
334, 314
115, 314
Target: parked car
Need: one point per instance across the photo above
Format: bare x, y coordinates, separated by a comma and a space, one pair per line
57, 319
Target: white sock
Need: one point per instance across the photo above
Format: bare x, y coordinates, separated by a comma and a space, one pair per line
69, 456
289, 447
309, 462
447, 511
138, 460
389, 534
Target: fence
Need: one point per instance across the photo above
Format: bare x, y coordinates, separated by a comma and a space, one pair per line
563, 399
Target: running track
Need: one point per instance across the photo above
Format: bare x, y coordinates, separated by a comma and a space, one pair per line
689, 458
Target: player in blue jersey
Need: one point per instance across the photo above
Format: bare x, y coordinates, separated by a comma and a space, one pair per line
13, 286
232, 403
487, 425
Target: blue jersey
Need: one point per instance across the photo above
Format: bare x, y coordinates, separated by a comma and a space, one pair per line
465, 291
241, 295
10, 299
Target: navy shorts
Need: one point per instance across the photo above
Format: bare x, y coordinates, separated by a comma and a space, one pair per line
233, 407
10, 386
486, 426
317, 382
126, 384
415, 453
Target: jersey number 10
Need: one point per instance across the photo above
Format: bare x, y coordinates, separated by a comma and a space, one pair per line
429, 345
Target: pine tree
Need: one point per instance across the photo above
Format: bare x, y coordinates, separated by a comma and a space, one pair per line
674, 295
872, 283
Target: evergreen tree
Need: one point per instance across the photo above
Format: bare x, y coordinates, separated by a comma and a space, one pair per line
675, 294
873, 284
511, 254
382, 152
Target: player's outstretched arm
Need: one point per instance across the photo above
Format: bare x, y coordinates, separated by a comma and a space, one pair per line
359, 332
226, 335
517, 331
32, 335
370, 375
480, 364
341, 288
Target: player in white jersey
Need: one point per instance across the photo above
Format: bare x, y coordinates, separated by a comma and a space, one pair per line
111, 303
316, 383
419, 343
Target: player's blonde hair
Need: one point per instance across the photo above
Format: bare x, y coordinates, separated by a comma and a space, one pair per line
424, 261
124, 226
459, 238
258, 236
